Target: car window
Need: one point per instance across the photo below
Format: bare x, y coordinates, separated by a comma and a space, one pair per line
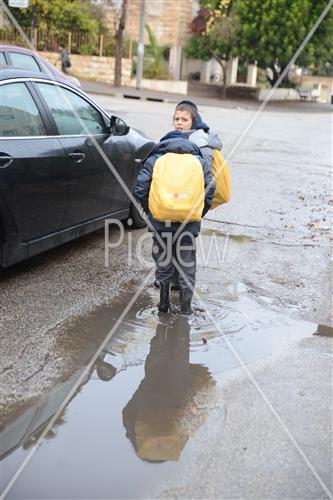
2, 59
72, 114
45, 68
19, 115
24, 61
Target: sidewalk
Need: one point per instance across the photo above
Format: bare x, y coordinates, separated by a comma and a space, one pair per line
152, 95
93, 87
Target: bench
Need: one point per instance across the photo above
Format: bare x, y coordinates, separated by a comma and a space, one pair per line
310, 93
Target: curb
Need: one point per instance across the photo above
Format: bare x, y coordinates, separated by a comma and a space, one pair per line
127, 94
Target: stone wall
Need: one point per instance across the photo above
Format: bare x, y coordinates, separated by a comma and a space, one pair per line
171, 86
92, 67
279, 94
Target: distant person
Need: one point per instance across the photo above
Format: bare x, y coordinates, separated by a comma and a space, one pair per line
64, 58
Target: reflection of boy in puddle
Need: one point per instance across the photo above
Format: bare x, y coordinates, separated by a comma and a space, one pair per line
158, 418
105, 371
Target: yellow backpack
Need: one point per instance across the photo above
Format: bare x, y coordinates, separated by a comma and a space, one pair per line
177, 190
221, 177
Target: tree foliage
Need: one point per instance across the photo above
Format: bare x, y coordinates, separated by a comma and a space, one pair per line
272, 31
266, 31
59, 16
154, 63
214, 29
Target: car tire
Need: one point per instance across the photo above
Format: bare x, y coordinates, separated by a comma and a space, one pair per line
137, 221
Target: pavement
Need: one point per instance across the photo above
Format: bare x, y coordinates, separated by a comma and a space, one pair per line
94, 87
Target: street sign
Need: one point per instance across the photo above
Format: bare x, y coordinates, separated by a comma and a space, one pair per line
22, 4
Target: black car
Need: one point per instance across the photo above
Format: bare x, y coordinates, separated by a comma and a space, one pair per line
65, 165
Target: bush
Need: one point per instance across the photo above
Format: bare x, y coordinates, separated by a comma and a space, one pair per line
157, 70
88, 49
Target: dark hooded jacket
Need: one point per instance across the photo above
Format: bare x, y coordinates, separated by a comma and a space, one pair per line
174, 142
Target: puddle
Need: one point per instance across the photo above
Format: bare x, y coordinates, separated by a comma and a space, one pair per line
125, 431
238, 238
324, 331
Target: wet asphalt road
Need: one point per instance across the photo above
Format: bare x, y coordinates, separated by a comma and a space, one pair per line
266, 283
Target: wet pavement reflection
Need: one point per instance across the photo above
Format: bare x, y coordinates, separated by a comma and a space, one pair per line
153, 418
125, 431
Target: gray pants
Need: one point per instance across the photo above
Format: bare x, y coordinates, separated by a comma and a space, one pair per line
185, 257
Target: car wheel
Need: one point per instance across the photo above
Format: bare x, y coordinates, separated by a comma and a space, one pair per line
138, 221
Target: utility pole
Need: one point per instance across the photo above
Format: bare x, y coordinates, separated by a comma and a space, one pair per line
33, 23
141, 47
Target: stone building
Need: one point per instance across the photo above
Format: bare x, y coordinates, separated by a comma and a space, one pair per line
169, 20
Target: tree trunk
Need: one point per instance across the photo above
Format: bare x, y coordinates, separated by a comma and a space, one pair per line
276, 75
224, 73
119, 45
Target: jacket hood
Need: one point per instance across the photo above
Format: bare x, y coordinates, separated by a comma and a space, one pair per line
214, 141
175, 142
202, 138
199, 123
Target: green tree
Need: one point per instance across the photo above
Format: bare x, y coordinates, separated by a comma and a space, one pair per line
214, 29
272, 30
266, 31
215, 33
58, 16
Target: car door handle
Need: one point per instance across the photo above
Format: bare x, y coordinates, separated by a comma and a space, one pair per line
77, 156
5, 160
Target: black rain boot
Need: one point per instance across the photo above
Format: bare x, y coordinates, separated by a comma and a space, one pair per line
164, 304
185, 301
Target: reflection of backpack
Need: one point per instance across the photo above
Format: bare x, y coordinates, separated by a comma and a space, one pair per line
177, 190
221, 177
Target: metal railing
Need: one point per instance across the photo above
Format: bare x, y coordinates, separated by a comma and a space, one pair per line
76, 42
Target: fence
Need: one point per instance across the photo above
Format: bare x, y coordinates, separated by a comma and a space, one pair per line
77, 42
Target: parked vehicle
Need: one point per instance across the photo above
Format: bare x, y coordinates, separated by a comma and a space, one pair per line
55, 184
19, 57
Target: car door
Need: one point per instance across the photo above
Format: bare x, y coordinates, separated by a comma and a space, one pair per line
83, 132
33, 180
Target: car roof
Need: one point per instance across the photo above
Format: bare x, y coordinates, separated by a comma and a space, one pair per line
70, 79
10, 72
16, 48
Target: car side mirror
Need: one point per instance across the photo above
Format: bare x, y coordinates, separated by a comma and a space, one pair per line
118, 126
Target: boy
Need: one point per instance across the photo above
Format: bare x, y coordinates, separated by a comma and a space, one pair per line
174, 239
187, 120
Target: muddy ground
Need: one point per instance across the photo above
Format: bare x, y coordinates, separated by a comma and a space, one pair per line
269, 259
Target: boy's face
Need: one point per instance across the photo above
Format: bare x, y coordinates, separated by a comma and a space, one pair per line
182, 120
